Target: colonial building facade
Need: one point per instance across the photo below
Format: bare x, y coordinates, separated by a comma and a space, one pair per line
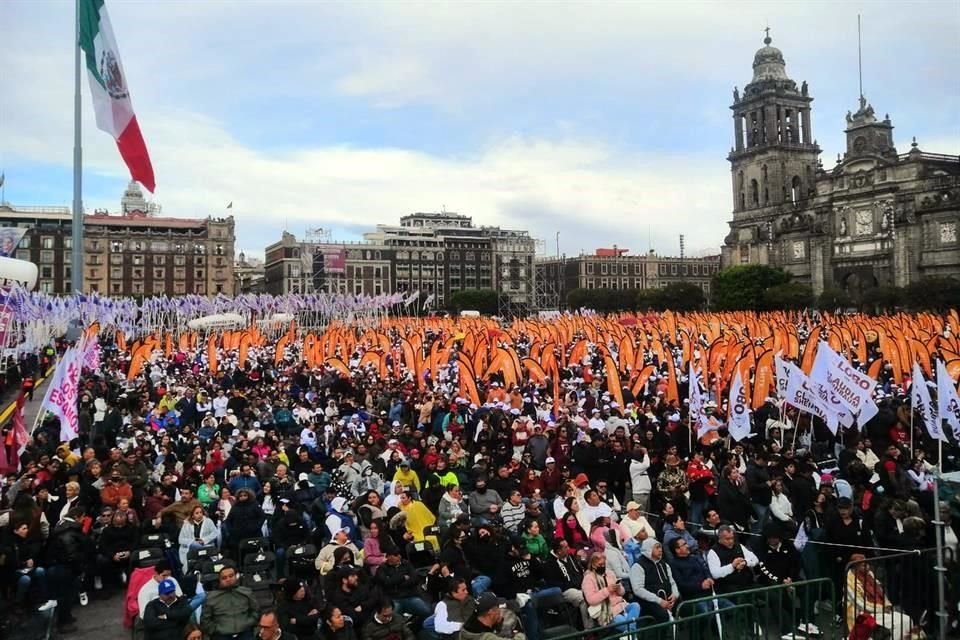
436, 254
618, 269
135, 252
876, 218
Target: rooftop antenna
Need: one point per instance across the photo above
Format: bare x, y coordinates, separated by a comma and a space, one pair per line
863, 102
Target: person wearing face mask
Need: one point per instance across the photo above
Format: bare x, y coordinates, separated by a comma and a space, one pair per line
483, 502
604, 596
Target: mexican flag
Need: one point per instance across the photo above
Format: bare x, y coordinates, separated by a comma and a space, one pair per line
111, 96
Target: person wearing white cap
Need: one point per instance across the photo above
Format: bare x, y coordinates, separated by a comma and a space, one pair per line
340, 539
596, 422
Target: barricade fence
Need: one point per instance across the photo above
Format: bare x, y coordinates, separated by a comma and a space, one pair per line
765, 613
899, 590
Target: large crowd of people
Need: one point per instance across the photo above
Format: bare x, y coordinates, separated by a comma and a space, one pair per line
275, 499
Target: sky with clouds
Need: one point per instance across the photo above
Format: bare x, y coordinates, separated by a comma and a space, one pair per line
607, 122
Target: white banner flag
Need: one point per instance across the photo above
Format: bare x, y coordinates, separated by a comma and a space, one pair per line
738, 419
61, 397
920, 401
853, 388
409, 301
783, 376
805, 395
948, 402
694, 396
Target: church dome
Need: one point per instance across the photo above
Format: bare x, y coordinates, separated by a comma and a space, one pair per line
768, 63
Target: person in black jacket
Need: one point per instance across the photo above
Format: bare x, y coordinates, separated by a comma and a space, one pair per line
116, 543
69, 550
732, 503
21, 563
398, 580
563, 570
245, 519
166, 615
298, 610
352, 597
759, 486
779, 564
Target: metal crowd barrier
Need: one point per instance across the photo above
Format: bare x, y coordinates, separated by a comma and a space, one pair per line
899, 590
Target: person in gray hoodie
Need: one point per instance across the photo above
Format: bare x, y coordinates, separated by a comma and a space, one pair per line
484, 503
653, 583
452, 506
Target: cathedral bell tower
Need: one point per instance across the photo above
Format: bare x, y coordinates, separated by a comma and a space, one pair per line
774, 158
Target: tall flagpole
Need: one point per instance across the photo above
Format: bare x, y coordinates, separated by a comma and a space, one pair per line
76, 252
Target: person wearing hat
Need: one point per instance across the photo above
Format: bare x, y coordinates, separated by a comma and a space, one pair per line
779, 564
340, 539
634, 521
298, 610
484, 502
488, 620
406, 476
166, 616
117, 487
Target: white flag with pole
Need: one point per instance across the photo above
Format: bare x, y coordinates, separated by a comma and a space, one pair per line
738, 420
948, 401
920, 401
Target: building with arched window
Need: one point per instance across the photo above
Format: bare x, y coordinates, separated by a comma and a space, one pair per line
876, 218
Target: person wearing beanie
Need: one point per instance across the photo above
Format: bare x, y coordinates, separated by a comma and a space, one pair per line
298, 610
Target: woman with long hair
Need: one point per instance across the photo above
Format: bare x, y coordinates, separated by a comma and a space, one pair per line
337, 626
568, 528
375, 544
369, 508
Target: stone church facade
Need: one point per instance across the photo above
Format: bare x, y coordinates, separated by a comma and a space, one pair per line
876, 218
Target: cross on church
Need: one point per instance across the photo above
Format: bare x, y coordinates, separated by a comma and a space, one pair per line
767, 31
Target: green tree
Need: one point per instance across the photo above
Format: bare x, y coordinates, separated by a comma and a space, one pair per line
933, 294
482, 300
832, 299
602, 300
789, 296
743, 287
883, 299
679, 296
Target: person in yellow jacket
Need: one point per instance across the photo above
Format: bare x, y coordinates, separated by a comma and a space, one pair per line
407, 477
418, 518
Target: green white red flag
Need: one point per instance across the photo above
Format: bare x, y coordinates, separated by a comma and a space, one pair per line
111, 96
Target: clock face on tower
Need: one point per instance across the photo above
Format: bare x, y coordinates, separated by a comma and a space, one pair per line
864, 223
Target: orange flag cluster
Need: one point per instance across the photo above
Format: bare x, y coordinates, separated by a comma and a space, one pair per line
717, 345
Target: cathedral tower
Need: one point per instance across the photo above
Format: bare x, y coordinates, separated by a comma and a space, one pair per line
774, 157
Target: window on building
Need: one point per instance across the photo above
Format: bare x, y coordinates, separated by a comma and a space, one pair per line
46, 271
159, 274
46, 286
198, 261
219, 288
159, 259
199, 249
47, 256
179, 288
179, 261
663, 269
23, 254
138, 287
138, 274
696, 270
25, 242
46, 242
673, 269
116, 258
200, 275
200, 288
684, 270
115, 288
138, 260
754, 193
744, 254
218, 249
116, 273
159, 287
